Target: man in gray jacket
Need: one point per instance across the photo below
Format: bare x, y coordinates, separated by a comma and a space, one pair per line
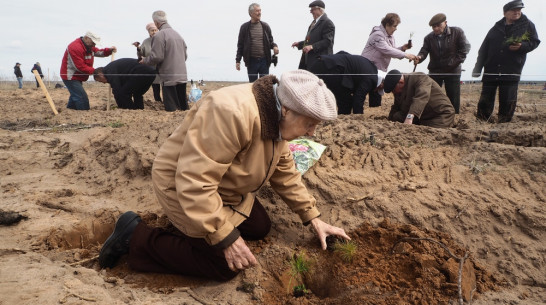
169, 55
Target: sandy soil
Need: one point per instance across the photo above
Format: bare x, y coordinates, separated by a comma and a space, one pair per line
414, 199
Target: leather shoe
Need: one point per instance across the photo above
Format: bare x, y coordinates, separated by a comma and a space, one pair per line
117, 243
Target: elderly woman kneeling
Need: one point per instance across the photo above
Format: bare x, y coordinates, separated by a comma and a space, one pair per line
207, 174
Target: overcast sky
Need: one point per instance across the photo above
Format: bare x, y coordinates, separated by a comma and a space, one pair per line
35, 30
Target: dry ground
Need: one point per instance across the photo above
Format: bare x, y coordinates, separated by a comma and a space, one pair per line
478, 188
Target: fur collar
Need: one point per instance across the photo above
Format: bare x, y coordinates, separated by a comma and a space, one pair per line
267, 106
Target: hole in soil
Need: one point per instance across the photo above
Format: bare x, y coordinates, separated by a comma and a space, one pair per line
80, 244
385, 271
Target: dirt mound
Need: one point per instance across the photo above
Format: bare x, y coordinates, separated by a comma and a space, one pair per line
392, 264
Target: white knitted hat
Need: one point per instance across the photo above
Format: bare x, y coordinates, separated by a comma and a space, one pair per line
306, 94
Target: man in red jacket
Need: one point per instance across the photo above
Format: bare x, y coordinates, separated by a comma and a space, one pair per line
77, 65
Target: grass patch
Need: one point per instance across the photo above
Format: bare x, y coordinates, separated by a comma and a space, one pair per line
116, 124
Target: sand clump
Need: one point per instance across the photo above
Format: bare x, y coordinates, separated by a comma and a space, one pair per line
477, 188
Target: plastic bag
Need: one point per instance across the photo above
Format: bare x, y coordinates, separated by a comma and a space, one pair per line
306, 153
195, 94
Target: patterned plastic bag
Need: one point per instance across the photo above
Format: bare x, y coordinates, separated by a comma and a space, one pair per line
306, 153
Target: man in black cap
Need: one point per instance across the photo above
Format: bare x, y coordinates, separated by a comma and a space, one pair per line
350, 78
129, 81
502, 55
18, 74
448, 47
418, 100
320, 36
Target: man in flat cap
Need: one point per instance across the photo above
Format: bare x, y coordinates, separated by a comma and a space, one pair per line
502, 55
208, 173
448, 47
320, 36
418, 100
254, 45
77, 65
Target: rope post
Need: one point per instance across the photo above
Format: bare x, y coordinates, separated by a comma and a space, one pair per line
44, 89
110, 89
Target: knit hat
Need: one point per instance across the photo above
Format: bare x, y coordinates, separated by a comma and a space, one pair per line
317, 3
437, 19
150, 26
94, 37
512, 5
392, 78
306, 94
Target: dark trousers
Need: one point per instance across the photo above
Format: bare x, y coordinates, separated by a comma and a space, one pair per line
38, 83
257, 67
156, 250
453, 87
157, 92
374, 99
174, 97
508, 98
130, 94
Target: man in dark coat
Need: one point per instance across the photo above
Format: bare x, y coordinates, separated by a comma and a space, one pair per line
129, 81
448, 47
18, 74
349, 77
319, 39
502, 55
39, 69
254, 45
418, 100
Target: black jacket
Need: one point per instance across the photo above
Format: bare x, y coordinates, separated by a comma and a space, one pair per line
17, 71
343, 72
128, 78
321, 36
243, 43
450, 56
499, 62
39, 69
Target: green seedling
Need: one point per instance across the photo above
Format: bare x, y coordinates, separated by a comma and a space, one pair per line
300, 264
346, 249
300, 291
514, 39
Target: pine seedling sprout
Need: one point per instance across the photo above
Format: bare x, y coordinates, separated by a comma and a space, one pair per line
346, 250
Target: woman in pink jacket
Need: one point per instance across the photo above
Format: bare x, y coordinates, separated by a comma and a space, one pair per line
381, 47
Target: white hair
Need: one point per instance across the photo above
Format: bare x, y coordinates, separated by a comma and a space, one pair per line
252, 7
159, 17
